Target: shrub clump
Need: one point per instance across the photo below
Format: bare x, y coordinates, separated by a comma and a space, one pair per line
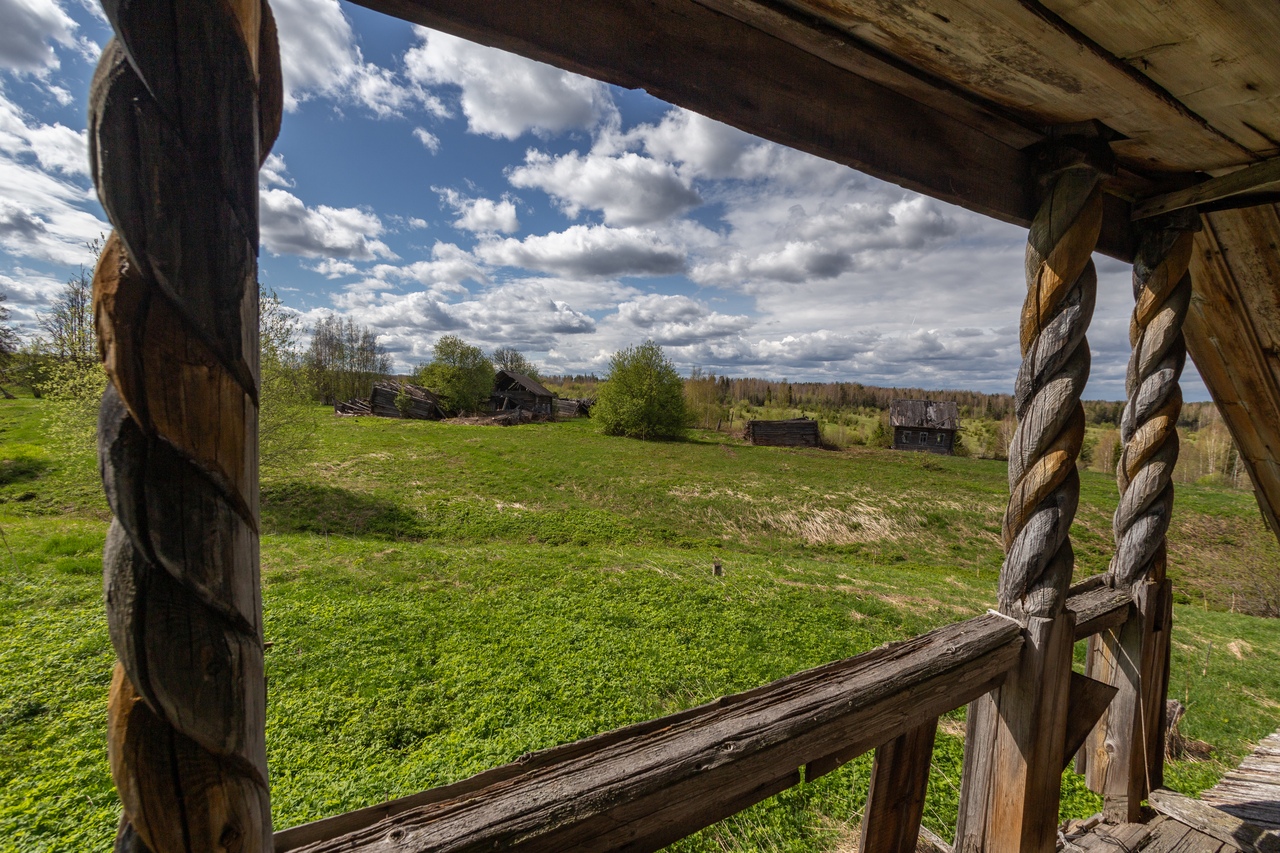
642, 395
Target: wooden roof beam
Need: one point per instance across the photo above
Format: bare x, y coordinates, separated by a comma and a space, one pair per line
806, 88
1244, 182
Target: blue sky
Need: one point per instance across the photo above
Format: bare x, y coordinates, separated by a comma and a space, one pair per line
424, 185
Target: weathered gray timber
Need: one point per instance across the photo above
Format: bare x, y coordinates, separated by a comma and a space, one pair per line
185, 105
899, 781
647, 785
1258, 834
422, 404
794, 432
1252, 790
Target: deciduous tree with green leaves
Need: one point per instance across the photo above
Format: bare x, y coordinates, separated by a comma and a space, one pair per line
514, 361
459, 373
642, 396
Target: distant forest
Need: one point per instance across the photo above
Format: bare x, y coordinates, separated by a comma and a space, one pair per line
827, 398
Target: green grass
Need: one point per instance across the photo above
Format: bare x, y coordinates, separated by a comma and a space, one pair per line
441, 599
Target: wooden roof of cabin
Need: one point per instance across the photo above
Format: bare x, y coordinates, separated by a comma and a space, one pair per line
929, 414
951, 98
527, 383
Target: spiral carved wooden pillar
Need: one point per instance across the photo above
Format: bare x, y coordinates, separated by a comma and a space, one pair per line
1124, 756
1014, 752
185, 104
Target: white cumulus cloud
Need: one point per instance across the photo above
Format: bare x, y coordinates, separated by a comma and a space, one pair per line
628, 189
593, 251
480, 215
289, 227
504, 95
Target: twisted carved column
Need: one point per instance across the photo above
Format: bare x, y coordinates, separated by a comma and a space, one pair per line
1148, 428
185, 104
1043, 483
1015, 742
1124, 755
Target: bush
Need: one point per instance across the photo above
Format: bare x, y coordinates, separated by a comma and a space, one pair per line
460, 374
642, 396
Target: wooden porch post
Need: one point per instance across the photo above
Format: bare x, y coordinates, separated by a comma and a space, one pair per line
185, 104
1124, 755
1016, 735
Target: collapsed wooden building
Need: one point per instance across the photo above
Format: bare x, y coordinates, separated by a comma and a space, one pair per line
419, 403
793, 432
924, 425
1145, 131
513, 390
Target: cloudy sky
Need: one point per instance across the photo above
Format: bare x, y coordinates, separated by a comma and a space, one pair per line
424, 185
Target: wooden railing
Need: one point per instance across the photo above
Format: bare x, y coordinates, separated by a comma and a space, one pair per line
644, 786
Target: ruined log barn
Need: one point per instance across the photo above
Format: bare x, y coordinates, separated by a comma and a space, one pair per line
1144, 130
793, 432
513, 390
924, 425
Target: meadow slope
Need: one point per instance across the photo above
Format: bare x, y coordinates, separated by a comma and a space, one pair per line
441, 598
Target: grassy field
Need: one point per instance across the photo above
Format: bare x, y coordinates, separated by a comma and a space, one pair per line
442, 598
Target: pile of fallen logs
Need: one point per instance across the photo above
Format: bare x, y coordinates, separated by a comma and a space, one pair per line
796, 432
421, 404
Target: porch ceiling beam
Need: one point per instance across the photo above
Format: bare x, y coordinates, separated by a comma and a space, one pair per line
1250, 179
806, 88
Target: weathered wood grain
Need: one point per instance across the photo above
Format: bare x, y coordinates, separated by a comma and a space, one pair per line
1027, 759
1098, 608
1233, 334
895, 801
1087, 701
1125, 752
1214, 56
629, 789
1260, 176
1205, 818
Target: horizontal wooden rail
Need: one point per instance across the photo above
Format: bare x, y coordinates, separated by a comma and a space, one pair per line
644, 786
1097, 606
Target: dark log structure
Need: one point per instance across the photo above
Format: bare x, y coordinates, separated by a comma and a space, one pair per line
516, 391
1147, 131
794, 432
422, 404
924, 425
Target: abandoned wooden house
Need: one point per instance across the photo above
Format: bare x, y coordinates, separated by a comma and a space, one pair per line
1144, 130
569, 408
513, 390
793, 432
924, 425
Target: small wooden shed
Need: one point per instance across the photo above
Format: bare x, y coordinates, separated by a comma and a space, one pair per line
794, 432
513, 390
924, 425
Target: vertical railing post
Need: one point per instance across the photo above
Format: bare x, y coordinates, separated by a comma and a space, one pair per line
185, 104
899, 782
1016, 735
1124, 755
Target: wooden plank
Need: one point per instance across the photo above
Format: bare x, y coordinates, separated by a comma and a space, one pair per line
1098, 609
1020, 55
1125, 750
632, 789
1027, 760
1215, 56
981, 723
1088, 701
1233, 330
1211, 821
1260, 176
899, 781
1166, 836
